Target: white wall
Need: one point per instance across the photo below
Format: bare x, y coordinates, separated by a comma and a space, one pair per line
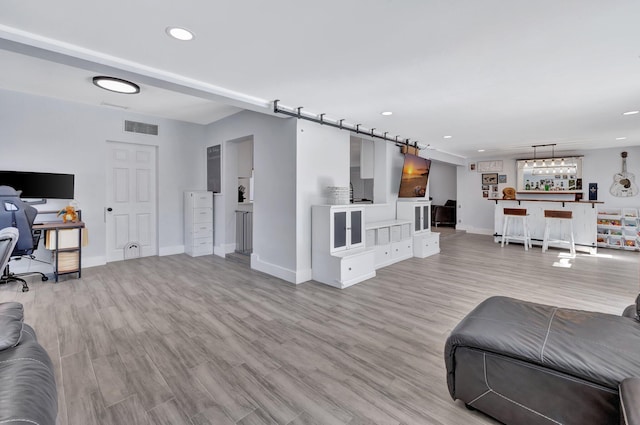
599, 166
322, 160
47, 135
442, 182
274, 205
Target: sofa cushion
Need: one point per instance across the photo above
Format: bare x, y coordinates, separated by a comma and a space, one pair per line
630, 312
600, 348
28, 392
11, 326
630, 401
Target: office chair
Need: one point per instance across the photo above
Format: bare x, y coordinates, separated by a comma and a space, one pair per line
14, 212
8, 240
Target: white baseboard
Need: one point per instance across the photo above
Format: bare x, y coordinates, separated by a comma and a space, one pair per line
304, 276
223, 250
475, 230
219, 251
93, 261
171, 250
289, 275
26, 265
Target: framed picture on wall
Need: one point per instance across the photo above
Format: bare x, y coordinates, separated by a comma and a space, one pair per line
490, 178
484, 166
502, 178
485, 193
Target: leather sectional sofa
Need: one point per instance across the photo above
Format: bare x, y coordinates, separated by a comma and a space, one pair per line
28, 392
526, 363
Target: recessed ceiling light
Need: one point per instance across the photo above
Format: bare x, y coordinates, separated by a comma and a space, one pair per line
448, 137
181, 34
480, 150
117, 85
386, 113
631, 113
621, 138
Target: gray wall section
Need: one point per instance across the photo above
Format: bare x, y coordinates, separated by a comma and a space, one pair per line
43, 134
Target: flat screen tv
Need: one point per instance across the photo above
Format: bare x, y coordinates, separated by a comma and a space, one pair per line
415, 175
39, 185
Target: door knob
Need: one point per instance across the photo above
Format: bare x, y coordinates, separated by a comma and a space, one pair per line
109, 209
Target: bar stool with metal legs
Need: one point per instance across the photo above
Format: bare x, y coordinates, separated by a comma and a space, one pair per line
514, 214
551, 216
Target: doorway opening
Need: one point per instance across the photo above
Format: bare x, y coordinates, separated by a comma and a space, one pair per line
240, 172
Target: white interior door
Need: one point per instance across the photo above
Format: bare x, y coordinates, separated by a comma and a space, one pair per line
131, 199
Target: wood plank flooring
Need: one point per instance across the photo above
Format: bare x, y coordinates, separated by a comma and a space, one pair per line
206, 341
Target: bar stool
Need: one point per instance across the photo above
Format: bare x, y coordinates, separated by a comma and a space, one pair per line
514, 214
551, 216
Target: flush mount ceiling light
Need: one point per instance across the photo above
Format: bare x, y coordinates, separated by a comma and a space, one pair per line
621, 138
480, 150
386, 113
117, 85
178, 33
631, 113
447, 137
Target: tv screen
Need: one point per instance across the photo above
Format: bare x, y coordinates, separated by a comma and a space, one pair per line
415, 174
39, 185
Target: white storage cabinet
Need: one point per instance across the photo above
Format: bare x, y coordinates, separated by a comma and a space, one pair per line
391, 241
425, 242
198, 223
618, 228
418, 212
338, 254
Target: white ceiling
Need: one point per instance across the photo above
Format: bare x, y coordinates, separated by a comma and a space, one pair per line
494, 75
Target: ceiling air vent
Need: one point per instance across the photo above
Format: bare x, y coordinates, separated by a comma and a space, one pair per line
140, 127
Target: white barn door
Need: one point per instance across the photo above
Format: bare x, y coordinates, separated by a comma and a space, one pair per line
131, 211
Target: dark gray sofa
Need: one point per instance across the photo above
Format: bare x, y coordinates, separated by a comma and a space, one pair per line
28, 392
521, 362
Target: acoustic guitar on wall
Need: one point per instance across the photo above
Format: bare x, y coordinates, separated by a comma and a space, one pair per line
624, 184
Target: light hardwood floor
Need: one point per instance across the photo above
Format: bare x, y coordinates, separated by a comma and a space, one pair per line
204, 341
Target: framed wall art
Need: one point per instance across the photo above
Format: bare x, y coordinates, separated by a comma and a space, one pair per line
490, 178
484, 166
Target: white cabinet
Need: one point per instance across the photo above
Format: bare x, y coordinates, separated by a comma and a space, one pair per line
391, 241
347, 227
418, 212
426, 244
198, 223
338, 254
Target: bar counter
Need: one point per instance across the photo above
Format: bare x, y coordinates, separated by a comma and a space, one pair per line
584, 221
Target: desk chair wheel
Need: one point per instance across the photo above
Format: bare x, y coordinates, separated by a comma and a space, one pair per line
45, 278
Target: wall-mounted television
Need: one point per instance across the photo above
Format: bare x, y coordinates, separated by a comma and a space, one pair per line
39, 185
415, 175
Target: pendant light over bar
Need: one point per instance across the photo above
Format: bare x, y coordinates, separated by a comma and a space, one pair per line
340, 124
